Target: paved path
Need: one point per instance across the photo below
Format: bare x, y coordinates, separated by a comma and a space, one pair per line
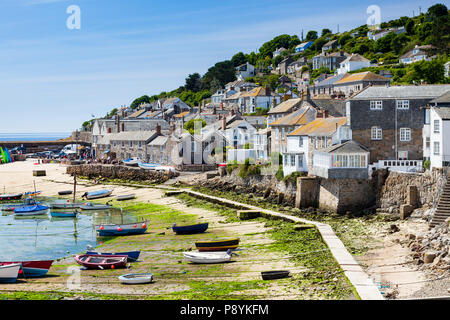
365, 287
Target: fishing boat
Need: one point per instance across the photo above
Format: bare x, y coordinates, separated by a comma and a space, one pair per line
97, 194
126, 197
9, 273
273, 275
208, 257
10, 197
217, 245
121, 229
192, 229
148, 166
132, 255
32, 269
136, 278
133, 162
12, 207
33, 210
64, 214
90, 206
91, 261
65, 206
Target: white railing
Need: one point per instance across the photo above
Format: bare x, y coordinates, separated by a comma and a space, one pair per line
398, 165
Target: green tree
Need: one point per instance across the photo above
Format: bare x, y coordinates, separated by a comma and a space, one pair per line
190, 125
311, 35
193, 82
325, 32
223, 71
436, 11
238, 59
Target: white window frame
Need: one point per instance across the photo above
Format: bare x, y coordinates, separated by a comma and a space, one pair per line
300, 142
437, 126
405, 134
376, 105
402, 104
376, 133
437, 148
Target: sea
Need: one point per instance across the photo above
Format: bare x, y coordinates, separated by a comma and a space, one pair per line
41, 136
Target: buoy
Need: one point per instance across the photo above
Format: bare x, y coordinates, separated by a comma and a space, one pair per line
20, 271
135, 226
112, 267
144, 226
101, 228
119, 229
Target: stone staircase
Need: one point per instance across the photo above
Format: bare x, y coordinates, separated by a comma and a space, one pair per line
443, 209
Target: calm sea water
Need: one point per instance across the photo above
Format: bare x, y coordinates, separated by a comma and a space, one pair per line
48, 238
34, 136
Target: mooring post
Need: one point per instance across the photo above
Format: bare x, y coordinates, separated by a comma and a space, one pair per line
74, 186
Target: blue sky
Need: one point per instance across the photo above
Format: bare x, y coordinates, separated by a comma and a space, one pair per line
52, 78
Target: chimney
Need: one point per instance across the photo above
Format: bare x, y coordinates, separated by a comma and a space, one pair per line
221, 106
118, 123
224, 123
268, 91
158, 129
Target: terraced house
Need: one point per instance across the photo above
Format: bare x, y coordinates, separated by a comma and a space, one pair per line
390, 120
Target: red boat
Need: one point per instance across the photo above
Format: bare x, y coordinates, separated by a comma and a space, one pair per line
31, 269
94, 261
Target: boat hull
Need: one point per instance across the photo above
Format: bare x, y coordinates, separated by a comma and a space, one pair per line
32, 269
193, 229
122, 229
9, 273
132, 255
98, 194
65, 205
63, 214
9, 197
206, 258
136, 278
219, 245
94, 207
101, 262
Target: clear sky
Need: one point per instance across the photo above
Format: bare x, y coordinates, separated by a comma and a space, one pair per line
53, 78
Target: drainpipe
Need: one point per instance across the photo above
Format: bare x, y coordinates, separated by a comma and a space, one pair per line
396, 142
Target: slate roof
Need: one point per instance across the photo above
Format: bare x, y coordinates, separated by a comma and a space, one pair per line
132, 136
345, 148
443, 112
298, 117
403, 92
159, 141
445, 98
285, 106
362, 76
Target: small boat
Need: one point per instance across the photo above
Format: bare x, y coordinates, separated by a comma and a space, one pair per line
273, 275
32, 193
148, 166
32, 269
92, 261
97, 194
165, 169
217, 245
132, 255
126, 197
65, 206
192, 229
134, 162
65, 193
9, 197
64, 214
35, 210
121, 229
9, 273
90, 206
208, 257
136, 278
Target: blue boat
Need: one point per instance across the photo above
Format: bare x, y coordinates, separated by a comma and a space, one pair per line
33, 210
148, 166
132, 255
64, 214
192, 229
97, 194
108, 230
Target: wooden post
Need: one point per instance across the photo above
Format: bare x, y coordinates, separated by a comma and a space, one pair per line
74, 186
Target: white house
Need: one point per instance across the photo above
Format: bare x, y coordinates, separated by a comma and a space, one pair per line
258, 98
278, 52
439, 137
245, 70
419, 53
352, 63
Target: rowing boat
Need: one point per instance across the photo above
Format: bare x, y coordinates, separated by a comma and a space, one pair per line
192, 229
90, 206
91, 261
207, 257
32, 269
9, 273
217, 245
97, 194
64, 214
121, 229
136, 278
132, 255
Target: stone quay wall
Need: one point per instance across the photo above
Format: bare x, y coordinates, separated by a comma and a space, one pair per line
119, 172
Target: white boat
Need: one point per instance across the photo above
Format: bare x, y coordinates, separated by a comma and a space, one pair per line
97, 194
132, 161
148, 166
9, 273
90, 206
136, 278
207, 257
165, 169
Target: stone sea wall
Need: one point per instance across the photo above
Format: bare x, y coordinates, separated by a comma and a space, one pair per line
119, 172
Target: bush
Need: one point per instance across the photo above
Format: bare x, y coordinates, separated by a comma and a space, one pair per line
247, 169
427, 164
280, 174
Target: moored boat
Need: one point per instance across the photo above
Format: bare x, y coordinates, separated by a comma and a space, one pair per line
90, 206
97, 194
126, 197
65, 206
217, 245
91, 261
132, 255
9, 273
32, 269
121, 229
136, 278
64, 214
208, 257
65, 193
148, 166
273, 275
191, 229
134, 162
10, 197
33, 210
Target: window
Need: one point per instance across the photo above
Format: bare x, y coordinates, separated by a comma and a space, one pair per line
376, 105
123, 144
437, 150
285, 159
300, 161
405, 134
292, 160
300, 142
140, 144
437, 128
402, 104
377, 133
131, 144
427, 143
427, 116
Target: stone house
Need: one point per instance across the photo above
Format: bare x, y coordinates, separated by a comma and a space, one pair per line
283, 109
128, 144
390, 120
257, 98
329, 60
352, 83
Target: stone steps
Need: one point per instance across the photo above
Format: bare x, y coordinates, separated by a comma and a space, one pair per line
443, 209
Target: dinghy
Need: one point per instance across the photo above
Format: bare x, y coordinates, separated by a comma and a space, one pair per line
35, 210
10, 197
97, 194
9, 273
126, 197
136, 278
148, 166
133, 162
101, 262
32, 193
208, 257
132, 255
192, 229
121, 229
217, 245
32, 269
65, 206
273, 275
64, 214
90, 206
65, 193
